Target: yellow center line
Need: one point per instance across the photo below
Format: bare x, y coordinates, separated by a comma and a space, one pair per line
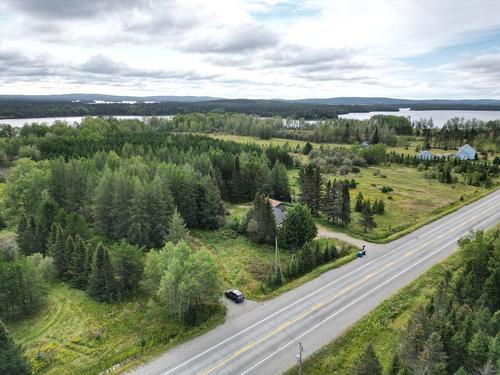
323, 303
300, 317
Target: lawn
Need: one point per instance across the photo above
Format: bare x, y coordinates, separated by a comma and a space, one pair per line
383, 327
413, 202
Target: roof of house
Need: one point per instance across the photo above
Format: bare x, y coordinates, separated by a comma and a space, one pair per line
278, 211
466, 147
275, 202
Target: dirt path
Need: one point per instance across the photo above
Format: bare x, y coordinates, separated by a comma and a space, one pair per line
327, 233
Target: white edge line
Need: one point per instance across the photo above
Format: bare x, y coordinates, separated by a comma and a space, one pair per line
315, 292
358, 299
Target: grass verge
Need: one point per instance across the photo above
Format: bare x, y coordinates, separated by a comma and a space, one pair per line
383, 327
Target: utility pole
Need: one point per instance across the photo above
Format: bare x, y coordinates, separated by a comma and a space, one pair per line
299, 357
277, 265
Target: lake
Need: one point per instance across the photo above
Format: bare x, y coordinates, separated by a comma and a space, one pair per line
18, 122
438, 116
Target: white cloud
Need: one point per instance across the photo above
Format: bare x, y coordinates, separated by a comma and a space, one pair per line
247, 48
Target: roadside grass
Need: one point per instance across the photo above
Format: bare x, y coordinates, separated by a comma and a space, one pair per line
246, 266
414, 201
73, 334
383, 327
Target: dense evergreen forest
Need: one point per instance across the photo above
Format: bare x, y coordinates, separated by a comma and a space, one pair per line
265, 108
90, 201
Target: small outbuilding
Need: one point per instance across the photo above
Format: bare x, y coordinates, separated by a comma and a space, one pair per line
466, 152
364, 144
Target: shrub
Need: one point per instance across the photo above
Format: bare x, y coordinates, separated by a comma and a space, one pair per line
344, 169
386, 189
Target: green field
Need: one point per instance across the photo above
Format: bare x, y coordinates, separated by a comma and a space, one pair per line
247, 266
74, 334
414, 201
383, 327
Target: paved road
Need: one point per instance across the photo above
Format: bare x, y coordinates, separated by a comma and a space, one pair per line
262, 338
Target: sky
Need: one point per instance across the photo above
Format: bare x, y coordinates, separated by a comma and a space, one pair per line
252, 48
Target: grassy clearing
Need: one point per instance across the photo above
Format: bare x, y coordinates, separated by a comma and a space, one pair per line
246, 265
414, 202
73, 334
262, 142
383, 327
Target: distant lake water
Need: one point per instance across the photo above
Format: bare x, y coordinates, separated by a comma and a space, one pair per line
18, 122
438, 116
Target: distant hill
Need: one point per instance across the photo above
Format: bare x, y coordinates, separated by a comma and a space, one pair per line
88, 98
337, 101
26, 106
375, 101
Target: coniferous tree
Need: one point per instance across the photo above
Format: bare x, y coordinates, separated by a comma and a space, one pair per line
280, 186
58, 251
69, 246
432, 357
261, 224
160, 207
306, 261
307, 148
368, 363
11, 359
366, 219
210, 208
101, 283
346, 137
104, 220
329, 206
46, 216
264, 181
139, 225
77, 269
359, 202
311, 185
375, 137
123, 192
128, 264
345, 212
298, 227
177, 229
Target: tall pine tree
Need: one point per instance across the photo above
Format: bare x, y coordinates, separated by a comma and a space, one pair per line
77, 268
101, 284
11, 360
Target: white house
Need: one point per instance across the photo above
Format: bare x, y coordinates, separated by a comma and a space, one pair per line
466, 152
425, 155
279, 211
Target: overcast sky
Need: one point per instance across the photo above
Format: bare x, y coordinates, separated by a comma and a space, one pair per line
252, 48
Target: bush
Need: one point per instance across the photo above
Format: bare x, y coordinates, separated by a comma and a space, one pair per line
420, 167
386, 189
344, 169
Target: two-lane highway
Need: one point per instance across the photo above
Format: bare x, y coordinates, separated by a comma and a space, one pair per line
263, 340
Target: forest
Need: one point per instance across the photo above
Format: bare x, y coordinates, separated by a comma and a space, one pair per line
264, 108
